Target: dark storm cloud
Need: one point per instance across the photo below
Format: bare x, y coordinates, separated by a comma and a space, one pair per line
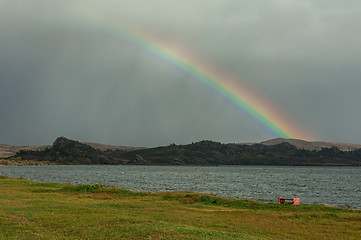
60, 76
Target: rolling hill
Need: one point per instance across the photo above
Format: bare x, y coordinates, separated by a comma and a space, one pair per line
312, 145
7, 150
66, 151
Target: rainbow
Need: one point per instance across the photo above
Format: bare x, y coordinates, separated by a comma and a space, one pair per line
244, 100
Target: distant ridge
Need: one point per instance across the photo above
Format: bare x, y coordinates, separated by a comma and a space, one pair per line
312, 145
7, 150
10, 150
66, 151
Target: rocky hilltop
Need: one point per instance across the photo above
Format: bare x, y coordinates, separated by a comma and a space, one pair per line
66, 151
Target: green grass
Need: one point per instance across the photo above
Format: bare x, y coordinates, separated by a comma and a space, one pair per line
33, 210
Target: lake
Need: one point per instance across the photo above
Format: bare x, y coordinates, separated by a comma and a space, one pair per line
338, 186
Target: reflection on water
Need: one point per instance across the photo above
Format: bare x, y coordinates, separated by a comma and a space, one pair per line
330, 185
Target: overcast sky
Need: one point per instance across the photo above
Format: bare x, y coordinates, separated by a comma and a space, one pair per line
60, 76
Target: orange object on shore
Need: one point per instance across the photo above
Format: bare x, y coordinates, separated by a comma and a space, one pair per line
295, 201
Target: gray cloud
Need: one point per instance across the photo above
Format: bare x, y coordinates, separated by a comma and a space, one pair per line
61, 76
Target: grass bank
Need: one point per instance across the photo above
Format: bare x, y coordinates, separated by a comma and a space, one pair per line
19, 162
34, 210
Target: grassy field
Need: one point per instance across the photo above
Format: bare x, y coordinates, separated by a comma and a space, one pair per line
33, 210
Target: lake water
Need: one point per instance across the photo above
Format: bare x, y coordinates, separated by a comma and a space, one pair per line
339, 186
